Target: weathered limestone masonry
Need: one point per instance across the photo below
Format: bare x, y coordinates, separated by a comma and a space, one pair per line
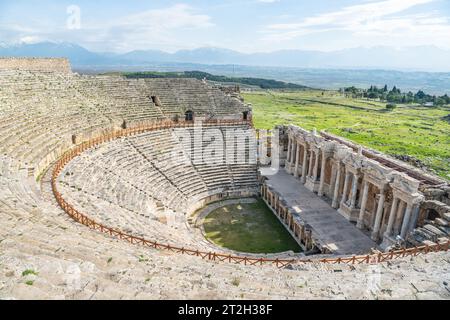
48, 113
381, 198
44, 113
60, 65
299, 230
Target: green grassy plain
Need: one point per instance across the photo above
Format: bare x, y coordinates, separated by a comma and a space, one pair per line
249, 228
416, 131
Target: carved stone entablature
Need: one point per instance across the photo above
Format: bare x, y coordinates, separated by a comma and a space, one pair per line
297, 130
328, 147
299, 136
307, 136
418, 200
313, 140
405, 187
341, 152
303, 131
376, 173
353, 161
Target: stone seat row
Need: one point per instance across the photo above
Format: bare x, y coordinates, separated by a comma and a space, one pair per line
124, 174
164, 226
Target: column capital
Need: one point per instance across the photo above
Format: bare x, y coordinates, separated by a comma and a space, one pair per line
418, 200
383, 187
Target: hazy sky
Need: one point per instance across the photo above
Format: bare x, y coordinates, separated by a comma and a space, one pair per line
243, 25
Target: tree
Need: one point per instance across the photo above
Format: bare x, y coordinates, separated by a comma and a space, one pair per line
420, 95
440, 101
395, 95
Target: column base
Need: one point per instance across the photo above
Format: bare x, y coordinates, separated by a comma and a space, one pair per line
375, 236
360, 224
289, 168
325, 191
348, 213
335, 205
387, 242
312, 185
264, 161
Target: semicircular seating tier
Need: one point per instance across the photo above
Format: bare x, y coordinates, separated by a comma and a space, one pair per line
148, 184
43, 114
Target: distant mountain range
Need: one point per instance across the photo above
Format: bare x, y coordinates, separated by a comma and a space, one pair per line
358, 67
420, 58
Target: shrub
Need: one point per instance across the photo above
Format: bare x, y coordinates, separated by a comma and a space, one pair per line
235, 282
391, 106
28, 272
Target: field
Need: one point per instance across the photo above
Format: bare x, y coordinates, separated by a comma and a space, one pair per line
416, 131
249, 228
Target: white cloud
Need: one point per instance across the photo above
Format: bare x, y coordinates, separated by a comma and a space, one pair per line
356, 14
175, 17
30, 39
377, 19
156, 28
152, 28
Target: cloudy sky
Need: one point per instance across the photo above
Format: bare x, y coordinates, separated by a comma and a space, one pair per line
243, 25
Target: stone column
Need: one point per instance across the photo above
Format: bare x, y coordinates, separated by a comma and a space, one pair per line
354, 191
344, 194
336, 187
278, 210
415, 217
322, 174
399, 217
316, 166
310, 170
333, 178
297, 160
289, 150
406, 219
379, 216
300, 232
293, 151
360, 223
305, 164
392, 216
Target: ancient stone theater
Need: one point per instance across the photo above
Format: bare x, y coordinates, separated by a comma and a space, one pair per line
104, 180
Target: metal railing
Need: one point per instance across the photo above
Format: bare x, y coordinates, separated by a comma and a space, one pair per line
211, 256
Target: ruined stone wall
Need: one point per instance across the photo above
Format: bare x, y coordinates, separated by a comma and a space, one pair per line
60, 65
381, 195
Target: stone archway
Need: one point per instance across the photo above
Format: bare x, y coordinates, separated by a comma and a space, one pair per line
189, 115
432, 215
431, 210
